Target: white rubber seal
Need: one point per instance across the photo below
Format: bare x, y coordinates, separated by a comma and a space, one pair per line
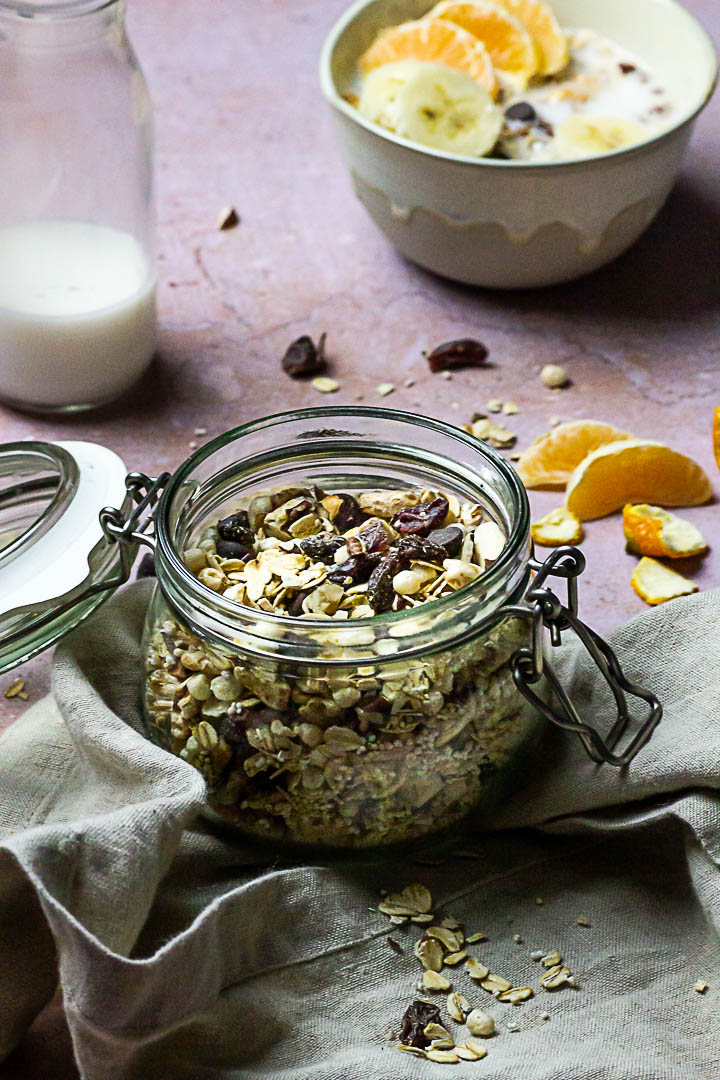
58, 561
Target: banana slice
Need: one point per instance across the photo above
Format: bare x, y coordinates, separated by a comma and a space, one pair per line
447, 109
582, 136
378, 98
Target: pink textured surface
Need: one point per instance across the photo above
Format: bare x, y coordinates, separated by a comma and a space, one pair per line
240, 120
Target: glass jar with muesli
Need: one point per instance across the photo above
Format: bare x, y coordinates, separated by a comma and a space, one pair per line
346, 636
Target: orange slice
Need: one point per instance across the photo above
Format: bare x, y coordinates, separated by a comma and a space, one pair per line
544, 29
716, 434
655, 583
437, 40
650, 530
510, 46
557, 528
634, 470
552, 458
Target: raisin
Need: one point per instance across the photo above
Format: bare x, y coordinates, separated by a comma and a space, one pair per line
349, 513
422, 518
466, 352
230, 549
295, 607
358, 568
304, 357
522, 110
380, 591
417, 547
627, 69
450, 539
374, 537
237, 528
416, 1019
322, 546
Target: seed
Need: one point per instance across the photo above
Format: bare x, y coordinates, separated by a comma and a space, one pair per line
554, 376
701, 986
432, 980
228, 218
517, 939
385, 388
551, 959
480, 1023
395, 945
325, 385
545, 1016
475, 969
539, 901
458, 1006
516, 995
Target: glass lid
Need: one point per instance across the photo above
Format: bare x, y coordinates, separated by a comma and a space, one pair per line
56, 563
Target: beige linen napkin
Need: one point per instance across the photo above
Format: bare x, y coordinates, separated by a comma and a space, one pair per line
185, 955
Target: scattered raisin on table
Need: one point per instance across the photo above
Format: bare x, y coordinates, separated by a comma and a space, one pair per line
465, 352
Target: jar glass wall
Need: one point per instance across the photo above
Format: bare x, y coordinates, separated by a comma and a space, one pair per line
361, 733
77, 279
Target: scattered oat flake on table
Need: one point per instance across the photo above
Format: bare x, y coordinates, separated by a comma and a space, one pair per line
228, 218
656, 584
582, 920
510, 409
554, 376
17, 690
557, 528
488, 431
385, 388
701, 986
494, 405
325, 385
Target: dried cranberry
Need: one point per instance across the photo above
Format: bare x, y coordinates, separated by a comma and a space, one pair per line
422, 518
229, 549
237, 528
417, 547
304, 357
322, 546
374, 537
521, 110
358, 568
348, 514
466, 352
416, 1019
450, 539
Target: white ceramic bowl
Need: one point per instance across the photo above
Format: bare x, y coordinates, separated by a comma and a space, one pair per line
507, 224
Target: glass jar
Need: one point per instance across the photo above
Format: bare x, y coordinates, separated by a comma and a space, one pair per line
77, 278
345, 734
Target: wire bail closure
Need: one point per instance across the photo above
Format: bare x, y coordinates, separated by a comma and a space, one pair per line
529, 665
130, 525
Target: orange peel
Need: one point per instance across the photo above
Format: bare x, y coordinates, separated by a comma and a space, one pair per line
650, 530
551, 460
716, 434
656, 584
557, 528
634, 471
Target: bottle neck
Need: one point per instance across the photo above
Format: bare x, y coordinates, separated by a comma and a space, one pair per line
57, 24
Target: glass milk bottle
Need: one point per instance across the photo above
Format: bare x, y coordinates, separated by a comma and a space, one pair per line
77, 277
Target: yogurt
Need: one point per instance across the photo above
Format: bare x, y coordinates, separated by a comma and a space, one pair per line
77, 313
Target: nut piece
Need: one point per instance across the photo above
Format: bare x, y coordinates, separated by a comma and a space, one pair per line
554, 376
434, 981
480, 1023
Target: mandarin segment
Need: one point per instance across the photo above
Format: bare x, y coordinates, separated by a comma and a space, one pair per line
507, 40
552, 459
435, 40
546, 32
656, 584
651, 530
633, 471
716, 434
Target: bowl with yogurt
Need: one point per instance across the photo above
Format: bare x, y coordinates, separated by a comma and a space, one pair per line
510, 144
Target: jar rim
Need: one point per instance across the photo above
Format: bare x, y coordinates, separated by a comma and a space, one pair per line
184, 584
53, 9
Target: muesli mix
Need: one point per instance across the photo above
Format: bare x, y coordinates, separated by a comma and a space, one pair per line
342, 755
